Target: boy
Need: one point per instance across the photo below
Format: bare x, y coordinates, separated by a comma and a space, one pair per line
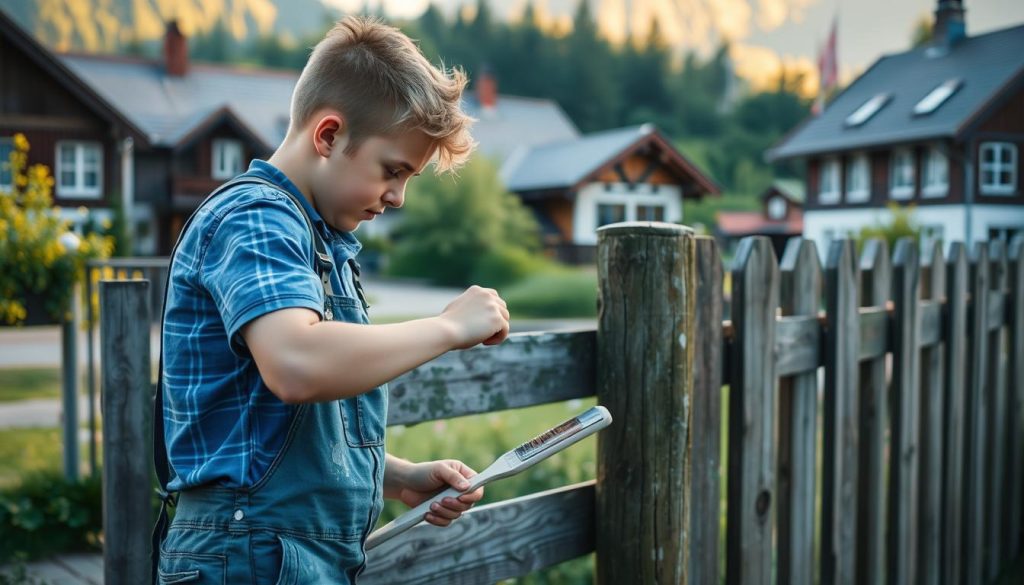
274, 403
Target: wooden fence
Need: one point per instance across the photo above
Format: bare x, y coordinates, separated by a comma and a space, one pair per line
913, 372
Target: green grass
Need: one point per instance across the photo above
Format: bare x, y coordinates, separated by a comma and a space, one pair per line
559, 293
27, 383
25, 451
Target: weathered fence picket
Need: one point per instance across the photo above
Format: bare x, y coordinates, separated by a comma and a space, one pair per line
840, 438
929, 499
921, 471
798, 414
751, 475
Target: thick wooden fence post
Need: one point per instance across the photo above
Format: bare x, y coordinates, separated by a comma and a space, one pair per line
798, 416
706, 426
955, 336
995, 423
1015, 450
905, 396
975, 411
839, 454
876, 274
755, 300
933, 288
127, 392
645, 348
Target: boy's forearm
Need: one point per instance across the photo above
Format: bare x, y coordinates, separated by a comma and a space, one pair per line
329, 360
395, 470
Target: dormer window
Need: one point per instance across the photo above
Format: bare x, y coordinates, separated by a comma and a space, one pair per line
867, 110
776, 208
227, 158
936, 97
828, 182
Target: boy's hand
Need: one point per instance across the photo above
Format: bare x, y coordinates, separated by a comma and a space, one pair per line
423, 480
478, 315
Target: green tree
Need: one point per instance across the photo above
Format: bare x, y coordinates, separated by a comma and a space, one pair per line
450, 227
901, 224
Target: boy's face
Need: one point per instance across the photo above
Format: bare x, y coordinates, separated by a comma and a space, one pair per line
349, 189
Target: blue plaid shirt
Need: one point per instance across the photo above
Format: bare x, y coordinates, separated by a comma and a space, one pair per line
247, 253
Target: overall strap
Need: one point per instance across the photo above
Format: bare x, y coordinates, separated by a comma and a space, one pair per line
323, 265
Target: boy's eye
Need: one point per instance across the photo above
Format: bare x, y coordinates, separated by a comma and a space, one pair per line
393, 172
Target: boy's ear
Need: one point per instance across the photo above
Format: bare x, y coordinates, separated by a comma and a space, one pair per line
328, 133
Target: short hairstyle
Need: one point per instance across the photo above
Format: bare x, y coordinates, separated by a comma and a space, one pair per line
381, 82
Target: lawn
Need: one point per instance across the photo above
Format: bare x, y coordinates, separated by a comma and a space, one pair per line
27, 383
24, 451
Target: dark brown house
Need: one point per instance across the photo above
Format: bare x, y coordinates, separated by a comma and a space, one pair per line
71, 128
940, 127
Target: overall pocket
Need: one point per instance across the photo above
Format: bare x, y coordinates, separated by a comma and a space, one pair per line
364, 416
189, 567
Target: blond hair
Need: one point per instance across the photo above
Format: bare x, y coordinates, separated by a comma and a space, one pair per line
382, 84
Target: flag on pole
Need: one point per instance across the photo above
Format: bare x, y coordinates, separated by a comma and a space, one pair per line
828, 70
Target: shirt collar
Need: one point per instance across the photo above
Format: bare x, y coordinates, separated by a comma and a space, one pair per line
265, 170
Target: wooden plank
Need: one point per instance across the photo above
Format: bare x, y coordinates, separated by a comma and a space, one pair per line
127, 430
491, 542
995, 422
751, 478
798, 413
840, 436
904, 406
976, 414
933, 287
797, 344
706, 424
527, 369
875, 286
955, 335
931, 321
874, 326
647, 280
1015, 409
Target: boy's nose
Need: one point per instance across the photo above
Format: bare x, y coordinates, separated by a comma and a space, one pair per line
394, 197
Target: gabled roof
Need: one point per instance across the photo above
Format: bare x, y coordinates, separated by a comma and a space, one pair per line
987, 66
569, 163
517, 122
80, 88
169, 109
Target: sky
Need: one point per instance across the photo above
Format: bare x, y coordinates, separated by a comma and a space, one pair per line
765, 33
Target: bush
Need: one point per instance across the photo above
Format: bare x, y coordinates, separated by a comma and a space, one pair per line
900, 225
556, 293
506, 265
35, 263
46, 514
448, 228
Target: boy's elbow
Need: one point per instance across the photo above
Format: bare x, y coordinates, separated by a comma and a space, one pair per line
290, 383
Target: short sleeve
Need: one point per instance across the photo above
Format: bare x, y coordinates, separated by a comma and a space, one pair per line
259, 260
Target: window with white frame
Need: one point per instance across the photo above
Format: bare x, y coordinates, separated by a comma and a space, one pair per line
901, 174
776, 208
79, 169
998, 168
6, 148
610, 213
858, 173
936, 173
828, 181
227, 158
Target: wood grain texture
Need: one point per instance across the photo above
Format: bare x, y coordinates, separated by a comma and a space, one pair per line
876, 278
1015, 409
976, 413
491, 542
127, 393
995, 422
527, 369
751, 483
955, 334
706, 423
646, 325
801, 288
840, 432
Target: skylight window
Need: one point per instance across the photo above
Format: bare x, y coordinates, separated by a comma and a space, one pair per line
937, 97
870, 108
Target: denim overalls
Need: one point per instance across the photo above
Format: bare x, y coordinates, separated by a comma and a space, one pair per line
306, 519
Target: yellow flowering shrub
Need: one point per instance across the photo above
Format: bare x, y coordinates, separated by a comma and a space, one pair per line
34, 264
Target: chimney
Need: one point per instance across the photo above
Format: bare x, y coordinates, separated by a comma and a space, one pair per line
487, 89
175, 51
949, 23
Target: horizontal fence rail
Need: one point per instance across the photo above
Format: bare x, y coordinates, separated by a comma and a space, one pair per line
919, 456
